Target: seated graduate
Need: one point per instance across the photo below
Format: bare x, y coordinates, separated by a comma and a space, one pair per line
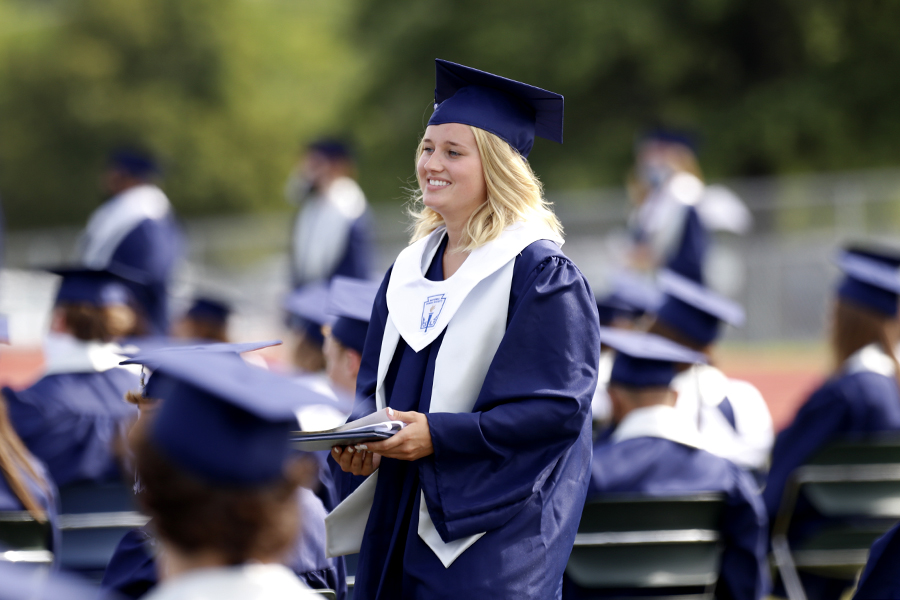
860, 396
206, 320
880, 579
73, 417
24, 482
306, 314
218, 477
132, 568
629, 304
656, 450
733, 419
484, 340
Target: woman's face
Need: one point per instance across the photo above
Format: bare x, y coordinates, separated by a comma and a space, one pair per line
450, 172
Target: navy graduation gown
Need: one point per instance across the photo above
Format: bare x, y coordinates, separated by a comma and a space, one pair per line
131, 571
859, 402
689, 255
515, 467
661, 467
880, 580
148, 255
71, 420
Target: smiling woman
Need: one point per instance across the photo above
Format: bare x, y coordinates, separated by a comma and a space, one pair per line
484, 339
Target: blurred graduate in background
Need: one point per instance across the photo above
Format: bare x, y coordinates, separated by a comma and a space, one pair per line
306, 315
73, 417
134, 234
731, 415
332, 232
675, 213
860, 396
656, 450
206, 321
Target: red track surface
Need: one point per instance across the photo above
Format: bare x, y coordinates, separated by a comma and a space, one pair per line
785, 380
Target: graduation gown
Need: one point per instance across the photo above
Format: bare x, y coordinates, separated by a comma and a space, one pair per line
654, 461
514, 467
862, 398
70, 420
880, 580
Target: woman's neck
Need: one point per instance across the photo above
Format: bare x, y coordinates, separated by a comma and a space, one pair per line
454, 256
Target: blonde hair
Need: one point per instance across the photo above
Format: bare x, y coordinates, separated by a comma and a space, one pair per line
514, 193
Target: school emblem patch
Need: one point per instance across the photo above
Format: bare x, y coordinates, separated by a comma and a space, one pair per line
431, 310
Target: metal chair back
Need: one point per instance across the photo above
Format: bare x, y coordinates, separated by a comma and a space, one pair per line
856, 482
647, 544
93, 519
24, 539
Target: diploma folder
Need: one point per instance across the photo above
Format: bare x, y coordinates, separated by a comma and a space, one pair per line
371, 428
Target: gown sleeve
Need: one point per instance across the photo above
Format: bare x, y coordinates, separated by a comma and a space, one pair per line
489, 463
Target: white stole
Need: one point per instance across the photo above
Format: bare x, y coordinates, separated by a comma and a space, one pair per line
472, 306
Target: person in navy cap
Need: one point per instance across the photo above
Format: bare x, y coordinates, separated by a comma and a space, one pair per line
135, 234
666, 187
484, 340
306, 315
350, 302
731, 414
657, 450
630, 303
206, 320
73, 417
332, 232
218, 476
860, 396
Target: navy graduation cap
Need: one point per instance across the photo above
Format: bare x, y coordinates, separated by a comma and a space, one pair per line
513, 111
150, 356
871, 280
91, 286
307, 309
694, 310
351, 301
223, 420
209, 309
630, 297
645, 360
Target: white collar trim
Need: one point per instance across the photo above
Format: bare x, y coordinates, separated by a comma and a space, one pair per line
870, 358
421, 308
66, 354
660, 421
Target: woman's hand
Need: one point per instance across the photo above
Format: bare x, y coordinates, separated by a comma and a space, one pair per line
355, 460
410, 443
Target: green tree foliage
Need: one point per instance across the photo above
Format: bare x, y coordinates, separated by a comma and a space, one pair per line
771, 86
223, 90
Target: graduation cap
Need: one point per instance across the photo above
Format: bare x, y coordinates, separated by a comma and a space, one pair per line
351, 301
209, 309
630, 298
135, 162
871, 280
695, 310
645, 360
97, 287
332, 149
307, 309
223, 420
513, 111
